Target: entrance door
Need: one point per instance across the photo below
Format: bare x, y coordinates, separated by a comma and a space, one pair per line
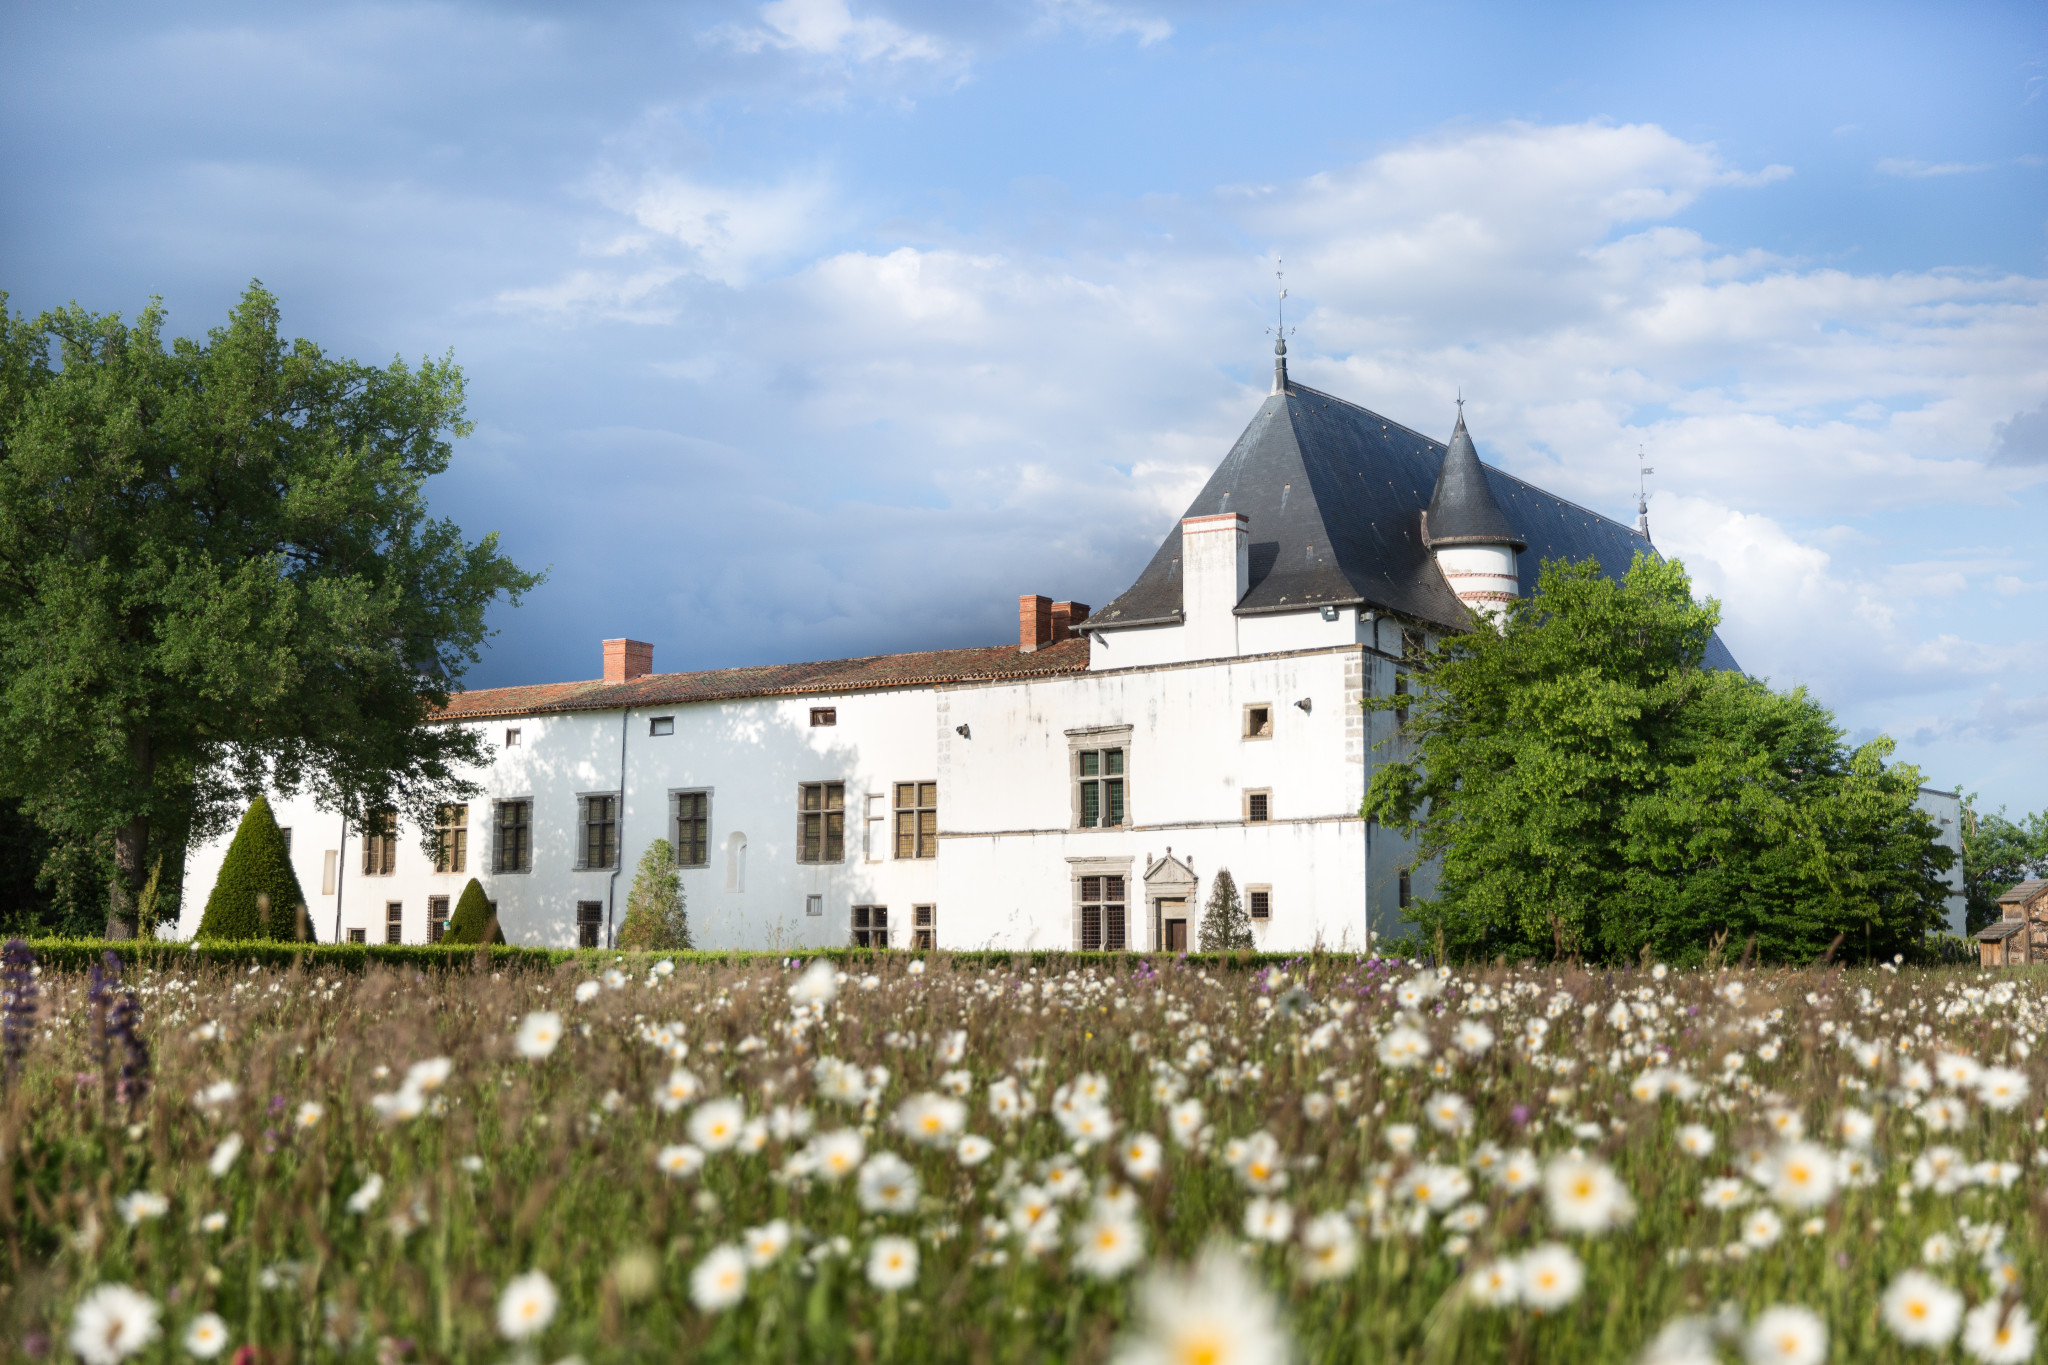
1173, 926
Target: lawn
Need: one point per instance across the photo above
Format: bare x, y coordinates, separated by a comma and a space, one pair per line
1098, 1159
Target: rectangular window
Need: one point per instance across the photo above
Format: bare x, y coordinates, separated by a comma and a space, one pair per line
821, 822
330, 866
511, 739
1258, 721
599, 846
1261, 901
589, 924
1404, 888
1101, 775
1102, 915
814, 906
451, 838
917, 819
380, 844
286, 831
1400, 690
870, 926
693, 829
359, 936
924, 927
394, 921
437, 918
512, 837
824, 715
662, 725
875, 827
1258, 807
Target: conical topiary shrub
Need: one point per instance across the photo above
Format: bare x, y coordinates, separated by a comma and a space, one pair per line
472, 918
258, 864
656, 918
1225, 925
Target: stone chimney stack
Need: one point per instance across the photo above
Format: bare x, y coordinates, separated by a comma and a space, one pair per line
625, 660
1215, 569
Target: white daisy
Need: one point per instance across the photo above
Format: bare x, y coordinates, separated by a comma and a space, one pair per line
1268, 1220
973, 1149
888, 1184
1921, 1310
538, 1034
679, 1161
892, 1263
1786, 1335
1999, 1335
715, 1126
1550, 1276
1140, 1156
1695, 1140
112, 1323
1800, 1175
527, 1306
934, 1120
1329, 1248
836, 1154
1213, 1313
1583, 1194
765, 1243
206, 1336
719, 1281
1108, 1243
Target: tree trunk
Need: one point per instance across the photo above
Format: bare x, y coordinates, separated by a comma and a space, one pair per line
131, 851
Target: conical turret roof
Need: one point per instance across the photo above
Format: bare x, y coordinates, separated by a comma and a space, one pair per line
1334, 494
1462, 510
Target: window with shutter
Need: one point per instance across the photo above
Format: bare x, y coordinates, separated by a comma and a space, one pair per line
599, 846
512, 837
394, 921
917, 819
380, 844
821, 822
693, 829
451, 838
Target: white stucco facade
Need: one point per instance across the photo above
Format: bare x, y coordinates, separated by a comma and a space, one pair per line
1010, 852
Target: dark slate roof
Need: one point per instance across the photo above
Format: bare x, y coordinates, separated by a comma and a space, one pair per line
999, 663
2024, 892
1335, 494
1462, 510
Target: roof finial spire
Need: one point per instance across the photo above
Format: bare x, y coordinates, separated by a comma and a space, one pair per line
1279, 331
1642, 495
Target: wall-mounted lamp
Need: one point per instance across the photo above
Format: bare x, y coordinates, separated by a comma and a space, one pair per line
1329, 613
961, 731
1307, 704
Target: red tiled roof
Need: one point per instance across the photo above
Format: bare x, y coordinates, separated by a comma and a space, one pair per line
995, 664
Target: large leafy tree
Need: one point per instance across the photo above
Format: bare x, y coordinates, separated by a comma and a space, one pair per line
218, 573
1593, 789
1998, 854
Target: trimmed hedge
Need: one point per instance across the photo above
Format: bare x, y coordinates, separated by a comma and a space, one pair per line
257, 863
80, 954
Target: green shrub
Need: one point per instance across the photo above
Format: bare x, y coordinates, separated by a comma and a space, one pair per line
1225, 925
473, 919
656, 920
257, 864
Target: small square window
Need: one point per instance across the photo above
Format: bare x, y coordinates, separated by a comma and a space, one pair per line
814, 906
511, 739
1259, 899
1258, 721
359, 936
662, 725
1258, 807
824, 715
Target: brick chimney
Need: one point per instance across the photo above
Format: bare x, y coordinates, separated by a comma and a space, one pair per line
625, 660
1034, 622
1065, 616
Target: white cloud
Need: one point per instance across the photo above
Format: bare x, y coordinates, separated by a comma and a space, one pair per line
1104, 21
1920, 170
829, 28
1039, 410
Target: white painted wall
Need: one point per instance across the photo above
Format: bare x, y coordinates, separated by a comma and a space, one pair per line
1006, 808
1481, 575
1946, 810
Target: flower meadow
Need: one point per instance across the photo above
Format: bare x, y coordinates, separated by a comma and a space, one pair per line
1093, 1159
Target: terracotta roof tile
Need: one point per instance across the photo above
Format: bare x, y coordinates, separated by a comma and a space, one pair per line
993, 664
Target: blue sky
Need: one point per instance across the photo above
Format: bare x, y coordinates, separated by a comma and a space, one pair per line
827, 327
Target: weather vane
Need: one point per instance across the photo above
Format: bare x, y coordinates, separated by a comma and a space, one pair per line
1643, 473
1280, 331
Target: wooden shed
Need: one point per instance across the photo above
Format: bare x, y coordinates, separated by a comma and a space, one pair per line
2020, 935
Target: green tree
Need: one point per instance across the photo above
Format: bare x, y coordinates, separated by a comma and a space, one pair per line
1225, 925
656, 918
473, 918
1592, 789
1998, 854
218, 576
257, 894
